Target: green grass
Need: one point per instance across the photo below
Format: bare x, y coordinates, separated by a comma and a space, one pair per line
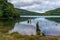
16, 36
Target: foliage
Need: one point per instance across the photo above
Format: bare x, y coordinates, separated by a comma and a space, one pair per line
53, 12
7, 10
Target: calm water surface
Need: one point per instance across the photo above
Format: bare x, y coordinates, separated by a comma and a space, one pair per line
46, 26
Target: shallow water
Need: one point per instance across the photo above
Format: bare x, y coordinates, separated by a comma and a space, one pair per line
46, 26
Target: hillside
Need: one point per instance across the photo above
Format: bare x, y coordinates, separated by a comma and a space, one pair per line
50, 12
25, 12
7, 10
53, 12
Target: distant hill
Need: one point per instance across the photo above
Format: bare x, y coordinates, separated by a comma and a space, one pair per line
25, 12
50, 12
53, 12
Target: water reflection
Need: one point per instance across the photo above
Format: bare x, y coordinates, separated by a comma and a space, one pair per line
6, 25
49, 27
46, 26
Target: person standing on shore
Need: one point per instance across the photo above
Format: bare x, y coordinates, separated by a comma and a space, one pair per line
38, 31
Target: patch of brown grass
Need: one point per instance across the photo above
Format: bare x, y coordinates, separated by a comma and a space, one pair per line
17, 36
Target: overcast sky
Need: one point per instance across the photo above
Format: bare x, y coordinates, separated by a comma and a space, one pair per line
36, 5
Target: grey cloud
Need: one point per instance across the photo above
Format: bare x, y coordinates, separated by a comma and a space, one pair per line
36, 5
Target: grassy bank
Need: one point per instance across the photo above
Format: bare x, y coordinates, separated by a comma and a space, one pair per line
7, 24
16, 36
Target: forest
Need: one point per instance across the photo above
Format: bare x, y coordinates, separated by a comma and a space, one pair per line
7, 10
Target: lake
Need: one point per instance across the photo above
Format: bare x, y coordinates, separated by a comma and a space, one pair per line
47, 26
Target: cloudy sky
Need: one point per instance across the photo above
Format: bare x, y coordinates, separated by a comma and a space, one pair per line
36, 5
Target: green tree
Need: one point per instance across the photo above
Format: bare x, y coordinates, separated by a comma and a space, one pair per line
7, 10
